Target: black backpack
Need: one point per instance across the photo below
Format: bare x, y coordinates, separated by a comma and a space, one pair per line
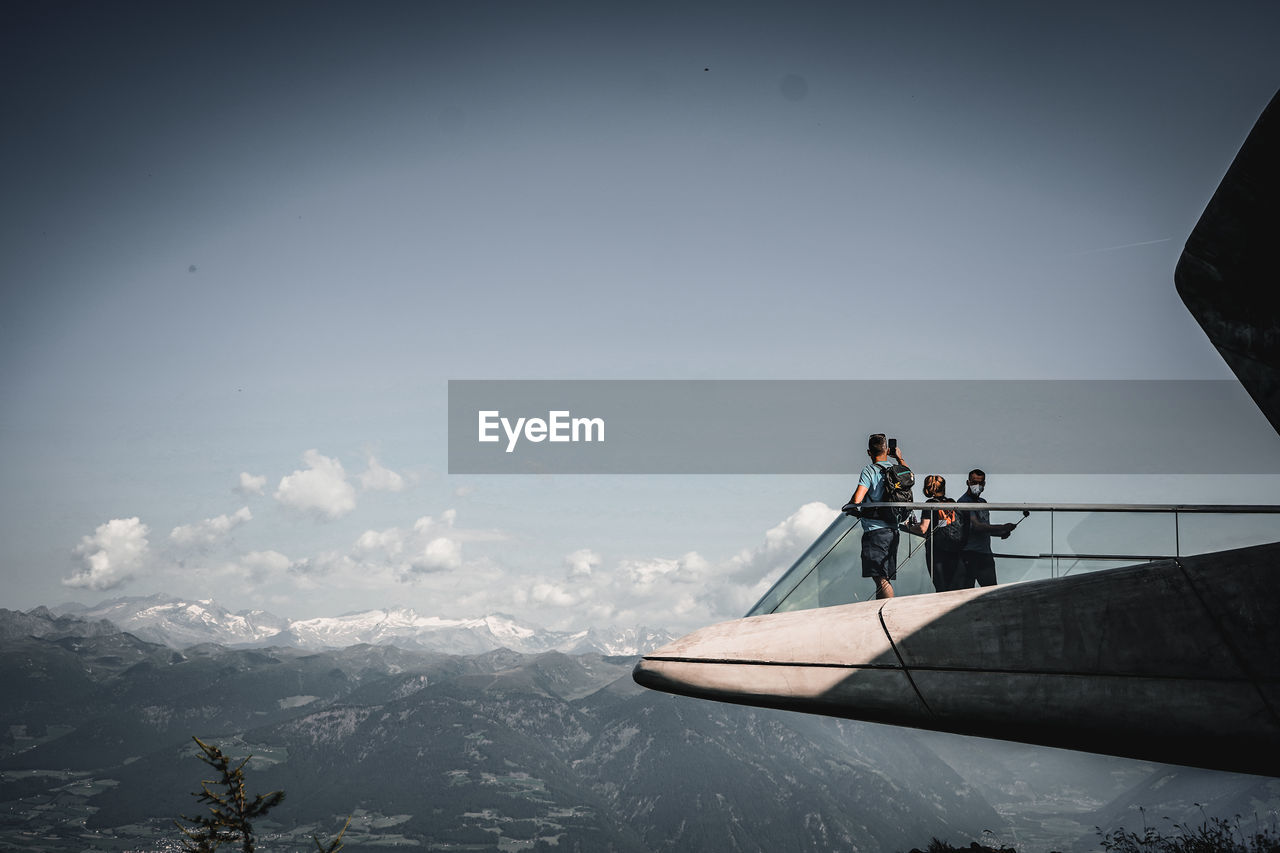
898, 482
946, 536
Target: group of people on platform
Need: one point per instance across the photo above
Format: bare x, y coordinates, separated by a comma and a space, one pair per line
959, 550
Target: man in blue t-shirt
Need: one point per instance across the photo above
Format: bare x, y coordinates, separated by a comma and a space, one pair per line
879, 536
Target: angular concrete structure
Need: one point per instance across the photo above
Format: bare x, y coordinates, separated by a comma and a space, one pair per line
1178, 661
1229, 271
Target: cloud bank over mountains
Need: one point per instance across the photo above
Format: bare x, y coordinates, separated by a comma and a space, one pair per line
464, 572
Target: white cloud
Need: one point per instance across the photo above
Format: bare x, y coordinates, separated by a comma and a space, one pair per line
111, 555
428, 565
581, 563
321, 489
427, 523
211, 529
431, 546
251, 485
261, 564
798, 530
254, 567
441, 554
446, 525
554, 594
378, 479
389, 542
643, 574
329, 563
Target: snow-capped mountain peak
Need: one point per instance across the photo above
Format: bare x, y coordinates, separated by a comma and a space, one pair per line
185, 622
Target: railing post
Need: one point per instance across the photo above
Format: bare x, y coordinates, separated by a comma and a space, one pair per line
1053, 548
1177, 536
930, 550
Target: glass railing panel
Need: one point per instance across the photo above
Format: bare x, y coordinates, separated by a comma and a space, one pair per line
840, 579
913, 568
1019, 568
1026, 553
1068, 566
1032, 536
1204, 532
840, 572
844, 526
803, 597
1129, 536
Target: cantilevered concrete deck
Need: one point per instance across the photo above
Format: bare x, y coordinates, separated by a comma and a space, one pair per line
1177, 661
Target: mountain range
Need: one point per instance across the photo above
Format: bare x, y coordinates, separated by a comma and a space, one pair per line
499, 750
181, 622
504, 750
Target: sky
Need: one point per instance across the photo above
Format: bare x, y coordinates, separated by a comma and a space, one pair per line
246, 246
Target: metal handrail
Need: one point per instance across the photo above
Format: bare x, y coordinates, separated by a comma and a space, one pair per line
968, 506
1145, 558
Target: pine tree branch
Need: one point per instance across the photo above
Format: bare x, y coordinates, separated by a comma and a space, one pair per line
336, 844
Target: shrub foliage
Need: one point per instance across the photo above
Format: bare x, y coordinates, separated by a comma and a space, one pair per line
1213, 835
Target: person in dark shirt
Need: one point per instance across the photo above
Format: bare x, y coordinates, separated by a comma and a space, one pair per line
941, 546
977, 565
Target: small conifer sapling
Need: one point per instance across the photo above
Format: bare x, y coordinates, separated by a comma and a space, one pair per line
231, 811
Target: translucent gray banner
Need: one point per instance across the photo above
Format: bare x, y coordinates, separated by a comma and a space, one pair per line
820, 426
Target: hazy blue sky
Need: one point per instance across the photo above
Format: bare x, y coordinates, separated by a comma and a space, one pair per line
259, 239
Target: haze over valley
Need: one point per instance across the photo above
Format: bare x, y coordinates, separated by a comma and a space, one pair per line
508, 750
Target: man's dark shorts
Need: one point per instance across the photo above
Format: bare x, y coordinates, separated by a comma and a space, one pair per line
880, 553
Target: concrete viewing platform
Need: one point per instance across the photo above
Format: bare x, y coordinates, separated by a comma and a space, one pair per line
1173, 661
